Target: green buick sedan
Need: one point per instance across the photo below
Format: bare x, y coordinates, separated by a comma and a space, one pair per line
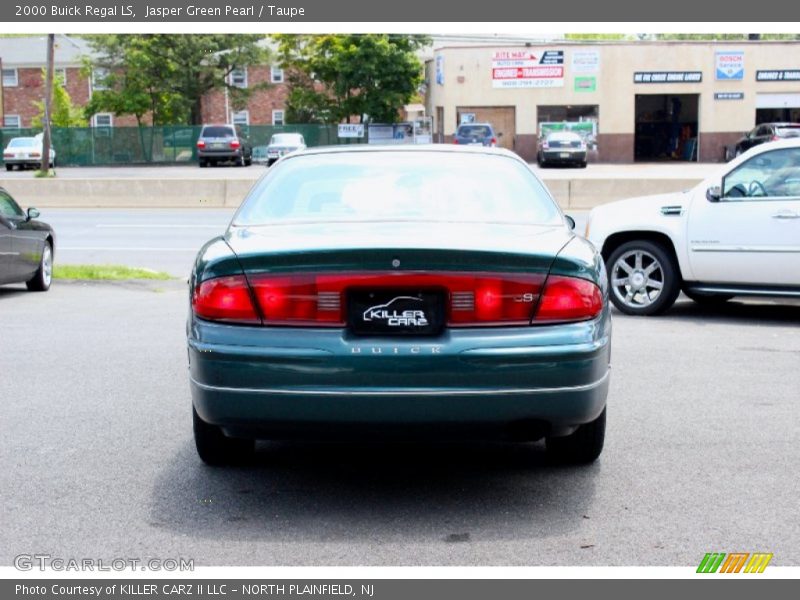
399, 292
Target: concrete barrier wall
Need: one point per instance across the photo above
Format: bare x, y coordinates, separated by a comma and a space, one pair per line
218, 193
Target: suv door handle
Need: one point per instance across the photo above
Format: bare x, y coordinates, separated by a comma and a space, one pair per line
786, 214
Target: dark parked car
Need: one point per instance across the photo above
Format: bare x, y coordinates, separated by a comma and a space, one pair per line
26, 246
282, 144
561, 148
399, 291
223, 143
475, 134
767, 132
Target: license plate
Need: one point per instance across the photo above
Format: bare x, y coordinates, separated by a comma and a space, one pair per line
565, 155
395, 311
217, 145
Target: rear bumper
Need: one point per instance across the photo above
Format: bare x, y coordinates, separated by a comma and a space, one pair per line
564, 156
219, 154
290, 383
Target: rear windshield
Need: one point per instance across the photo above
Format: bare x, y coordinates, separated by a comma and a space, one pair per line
399, 186
789, 131
286, 138
22, 142
478, 131
218, 132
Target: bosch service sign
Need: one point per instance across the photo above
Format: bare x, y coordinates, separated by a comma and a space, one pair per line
730, 66
528, 69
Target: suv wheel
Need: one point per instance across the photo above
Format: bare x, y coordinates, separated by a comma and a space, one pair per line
643, 278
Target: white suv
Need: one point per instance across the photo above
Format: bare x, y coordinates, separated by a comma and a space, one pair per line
735, 234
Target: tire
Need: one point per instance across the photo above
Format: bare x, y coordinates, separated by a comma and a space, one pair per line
270, 162
248, 162
643, 278
239, 161
203, 163
708, 299
9, 167
217, 449
541, 162
582, 165
581, 447
40, 282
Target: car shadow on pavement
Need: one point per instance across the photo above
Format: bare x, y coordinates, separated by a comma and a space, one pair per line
13, 290
735, 311
379, 492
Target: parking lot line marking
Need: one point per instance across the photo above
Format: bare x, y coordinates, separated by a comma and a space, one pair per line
127, 248
159, 226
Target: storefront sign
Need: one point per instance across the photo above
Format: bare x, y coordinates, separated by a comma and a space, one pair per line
788, 75
667, 77
729, 66
729, 96
586, 84
440, 69
528, 68
585, 61
396, 133
351, 130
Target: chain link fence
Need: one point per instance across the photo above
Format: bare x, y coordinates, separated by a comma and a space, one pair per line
175, 144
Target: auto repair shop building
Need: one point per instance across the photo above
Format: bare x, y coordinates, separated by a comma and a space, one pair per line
646, 100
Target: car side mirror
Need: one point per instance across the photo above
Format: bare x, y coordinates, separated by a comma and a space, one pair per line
713, 193
570, 222
33, 213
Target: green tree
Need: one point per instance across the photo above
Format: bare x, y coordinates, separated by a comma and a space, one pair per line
332, 78
163, 77
63, 112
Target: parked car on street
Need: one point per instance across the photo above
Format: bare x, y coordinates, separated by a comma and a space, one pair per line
401, 291
735, 234
223, 143
475, 134
23, 152
562, 148
766, 132
26, 246
282, 144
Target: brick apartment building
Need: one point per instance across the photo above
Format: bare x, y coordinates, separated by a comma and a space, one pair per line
23, 58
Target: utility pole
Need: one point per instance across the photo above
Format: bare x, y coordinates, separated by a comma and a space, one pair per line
48, 99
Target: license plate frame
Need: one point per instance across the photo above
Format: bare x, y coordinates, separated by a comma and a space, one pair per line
395, 311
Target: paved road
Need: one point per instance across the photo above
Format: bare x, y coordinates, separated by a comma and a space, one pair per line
678, 170
160, 239
97, 459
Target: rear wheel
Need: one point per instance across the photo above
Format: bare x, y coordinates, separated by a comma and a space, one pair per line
583, 446
217, 449
40, 282
643, 278
9, 167
540, 161
203, 163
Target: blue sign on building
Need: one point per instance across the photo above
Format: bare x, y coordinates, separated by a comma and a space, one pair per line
730, 65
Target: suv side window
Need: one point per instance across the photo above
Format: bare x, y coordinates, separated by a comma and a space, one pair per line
8, 207
774, 174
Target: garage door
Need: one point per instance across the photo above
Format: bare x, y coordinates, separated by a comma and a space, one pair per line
502, 118
777, 100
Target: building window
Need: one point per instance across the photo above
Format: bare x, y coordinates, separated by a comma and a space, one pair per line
276, 74
238, 78
12, 121
103, 120
60, 75
277, 117
99, 76
241, 117
10, 78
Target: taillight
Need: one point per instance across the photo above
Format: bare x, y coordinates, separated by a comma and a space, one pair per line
494, 142
470, 299
569, 299
8, 155
224, 299
35, 154
201, 144
775, 138
545, 145
455, 140
235, 144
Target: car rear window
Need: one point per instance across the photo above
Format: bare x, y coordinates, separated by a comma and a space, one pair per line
22, 142
218, 132
399, 186
790, 131
478, 131
286, 138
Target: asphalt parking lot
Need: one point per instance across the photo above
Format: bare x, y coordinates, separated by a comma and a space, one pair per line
98, 460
